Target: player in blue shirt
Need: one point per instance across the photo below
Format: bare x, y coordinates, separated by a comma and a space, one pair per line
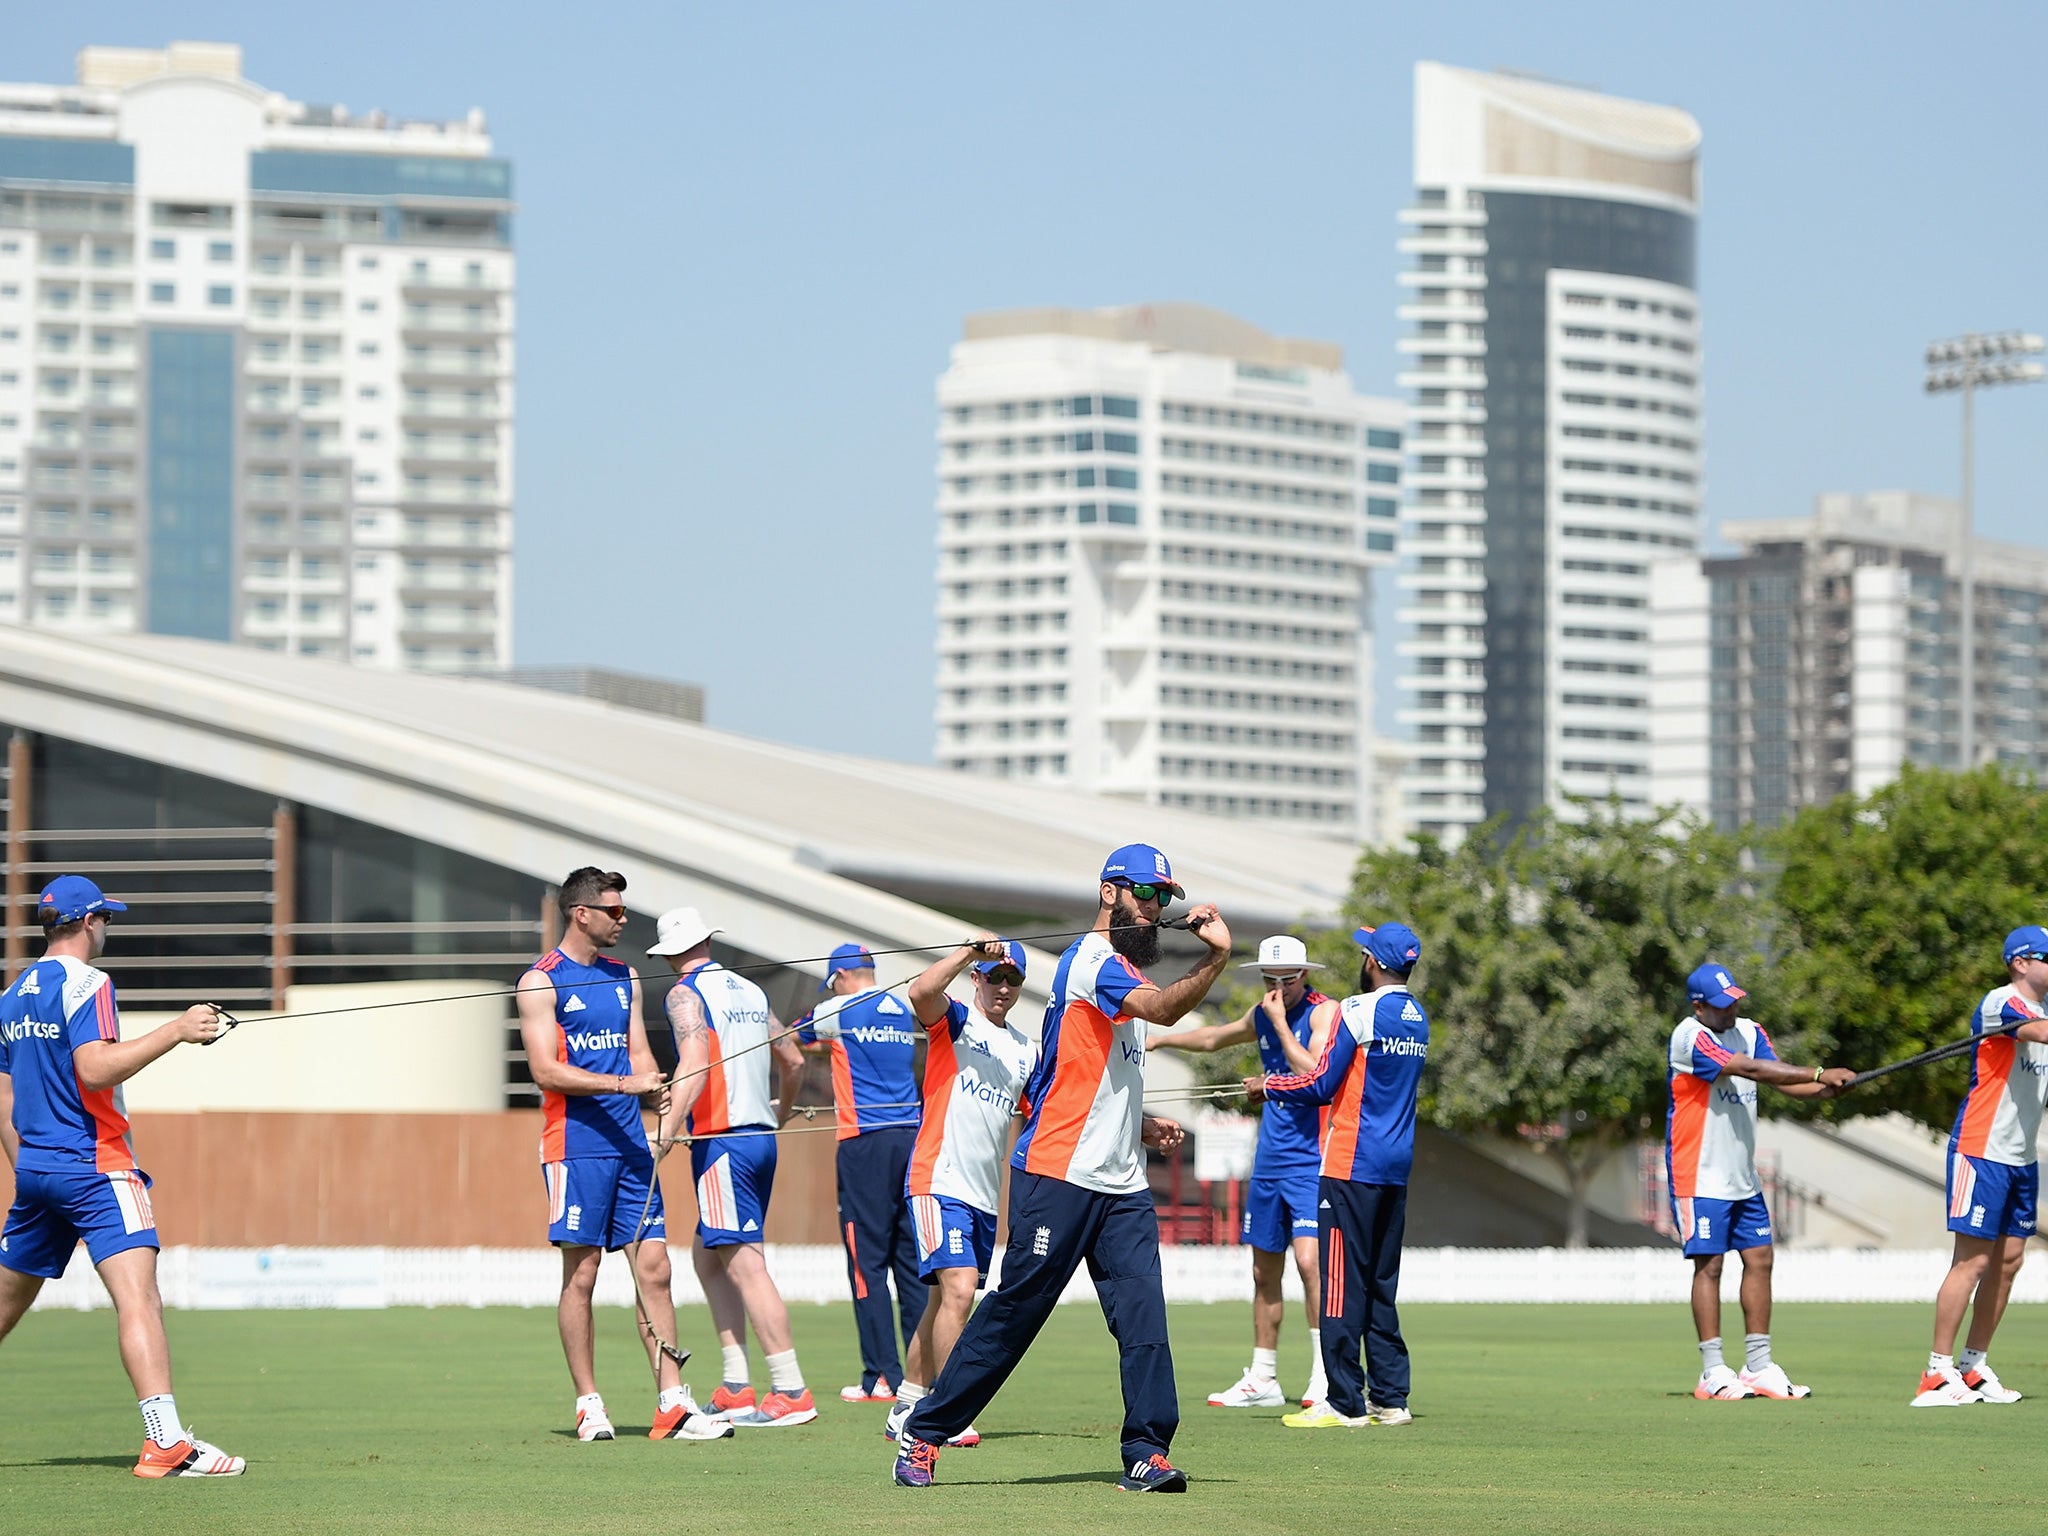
1281, 1200
64, 1127
871, 1040
579, 1018
1368, 1074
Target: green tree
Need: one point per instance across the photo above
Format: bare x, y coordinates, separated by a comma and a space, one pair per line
1892, 910
1553, 968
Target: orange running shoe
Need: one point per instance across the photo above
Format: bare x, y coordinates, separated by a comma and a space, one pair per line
779, 1410
725, 1402
190, 1457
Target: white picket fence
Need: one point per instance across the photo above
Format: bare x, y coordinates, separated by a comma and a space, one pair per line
238, 1278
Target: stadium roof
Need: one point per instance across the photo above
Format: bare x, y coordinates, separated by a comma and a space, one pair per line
790, 850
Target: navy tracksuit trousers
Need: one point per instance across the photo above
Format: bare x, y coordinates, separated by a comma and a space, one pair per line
1054, 1227
1360, 1232
875, 1229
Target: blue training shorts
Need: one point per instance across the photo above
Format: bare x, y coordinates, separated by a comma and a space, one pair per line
53, 1211
951, 1234
597, 1201
1280, 1209
735, 1175
1987, 1199
1708, 1226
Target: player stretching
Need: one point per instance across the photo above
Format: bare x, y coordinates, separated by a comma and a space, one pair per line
1078, 1189
1710, 1167
724, 1032
65, 1130
579, 1018
1993, 1179
1280, 1205
975, 1069
866, 1032
1368, 1074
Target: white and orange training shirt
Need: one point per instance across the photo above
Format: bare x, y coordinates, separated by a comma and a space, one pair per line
1999, 1119
1087, 1094
974, 1076
1710, 1128
736, 1088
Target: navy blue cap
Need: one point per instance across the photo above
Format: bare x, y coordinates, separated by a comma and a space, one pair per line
847, 957
2030, 940
1141, 864
1711, 984
69, 897
1394, 945
1013, 954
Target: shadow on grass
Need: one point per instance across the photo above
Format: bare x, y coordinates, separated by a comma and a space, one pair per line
74, 1461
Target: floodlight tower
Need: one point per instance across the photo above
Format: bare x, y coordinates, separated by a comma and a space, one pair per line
1968, 363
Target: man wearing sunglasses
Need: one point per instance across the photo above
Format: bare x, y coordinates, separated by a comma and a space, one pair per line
1078, 1186
1280, 1204
975, 1068
579, 1019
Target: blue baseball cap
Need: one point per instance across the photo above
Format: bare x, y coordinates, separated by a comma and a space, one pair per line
1393, 945
69, 897
1711, 984
2030, 940
1013, 954
847, 957
1141, 864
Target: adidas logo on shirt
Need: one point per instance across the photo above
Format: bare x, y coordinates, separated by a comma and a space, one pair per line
1410, 1014
574, 1005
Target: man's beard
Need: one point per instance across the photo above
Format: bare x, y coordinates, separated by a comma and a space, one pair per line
1130, 935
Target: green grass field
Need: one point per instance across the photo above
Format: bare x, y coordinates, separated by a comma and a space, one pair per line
1528, 1419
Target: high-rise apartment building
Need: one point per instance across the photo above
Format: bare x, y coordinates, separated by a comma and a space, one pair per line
1826, 651
1157, 526
1554, 435
255, 367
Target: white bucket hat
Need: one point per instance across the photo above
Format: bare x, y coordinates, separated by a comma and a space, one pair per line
679, 930
1282, 952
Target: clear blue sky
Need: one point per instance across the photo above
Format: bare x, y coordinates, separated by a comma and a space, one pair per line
748, 233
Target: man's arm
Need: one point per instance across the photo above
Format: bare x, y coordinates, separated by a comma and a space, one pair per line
791, 1061
1794, 1082
1303, 1058
692, 1034
1204, 1037
1315, 1087
928, 989
104, 1063
1172, 1003
10, 1139
537, 1027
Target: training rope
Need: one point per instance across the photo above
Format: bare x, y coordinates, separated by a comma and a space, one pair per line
1940, 1053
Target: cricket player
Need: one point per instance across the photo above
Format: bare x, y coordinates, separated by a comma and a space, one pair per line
579, 1018
1993, 1178
1078, 1188
1369, 1075
1281, 1198
975, 1070
64, 1127
1710, 1167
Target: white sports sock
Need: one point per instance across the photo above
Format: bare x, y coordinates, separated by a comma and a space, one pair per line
1970, 1359
160, 1419
1939, 1363
1710, 1355
783, 1375
737, 1371
671, 1397
1265, 1363
1756, 1351
1315, 1353
908, 1395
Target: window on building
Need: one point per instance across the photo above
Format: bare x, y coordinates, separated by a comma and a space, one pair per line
220, 250
162, 250
162, 293
220, 295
